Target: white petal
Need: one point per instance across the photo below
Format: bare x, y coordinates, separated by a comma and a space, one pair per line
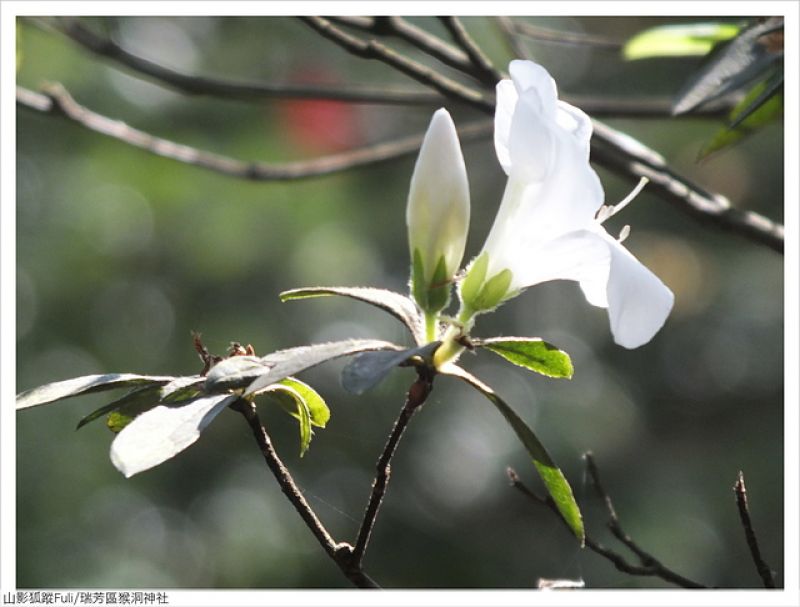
638, 302
533, 81
504, 111
576, 122
582, 256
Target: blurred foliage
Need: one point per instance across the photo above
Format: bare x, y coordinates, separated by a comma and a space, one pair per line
121, 254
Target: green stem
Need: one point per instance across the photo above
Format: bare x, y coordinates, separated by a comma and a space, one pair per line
430, 326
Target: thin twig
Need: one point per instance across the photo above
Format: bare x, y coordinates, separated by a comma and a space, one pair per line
508, 30
57, 101
372, 49
626, 156
340, 553
484, 70
415, 398
563, 37
764, 570
649, 566
229, 89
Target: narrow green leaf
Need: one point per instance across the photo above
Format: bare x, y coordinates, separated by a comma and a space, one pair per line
554, 480
759, 108
50, 393
532, 353
396, 304
148, 394
733, 66
693, 39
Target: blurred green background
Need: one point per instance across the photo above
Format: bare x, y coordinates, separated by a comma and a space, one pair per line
121, 254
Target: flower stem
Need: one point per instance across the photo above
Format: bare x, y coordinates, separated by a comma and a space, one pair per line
430, 326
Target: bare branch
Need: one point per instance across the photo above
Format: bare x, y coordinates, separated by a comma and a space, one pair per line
649, 566
228, 89
484, 70
627, 157
764, 570
372, 49
58, 102
509, 35
416, 397
340, 553
562, 37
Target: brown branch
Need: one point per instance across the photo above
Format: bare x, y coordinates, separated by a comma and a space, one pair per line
507, 28
372, 49
648, 567
483, 68
341, 552
229, 89
627, 157
58, 102
415, 398
767, 576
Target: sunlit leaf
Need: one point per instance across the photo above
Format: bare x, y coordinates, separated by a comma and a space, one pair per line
182, 389
762, 106
297, 406
369, 368
735, 66
254, 374
162, 432
680, 40
50, 393
399, 306
554, 480
317, 407
532, 353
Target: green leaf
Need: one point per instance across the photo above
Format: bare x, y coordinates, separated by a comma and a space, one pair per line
148, 394
255, 374
50, 393
693, 39
736, 64
554, 480
399, 306
369, 368
162, 432
317, 408
294, 404
761, 106
532, 353
182, 389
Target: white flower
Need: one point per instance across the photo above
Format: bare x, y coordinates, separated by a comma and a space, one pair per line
546, 227
438, 213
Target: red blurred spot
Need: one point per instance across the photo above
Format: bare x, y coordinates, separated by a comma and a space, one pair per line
320, 125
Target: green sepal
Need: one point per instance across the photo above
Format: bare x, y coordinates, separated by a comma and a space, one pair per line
494, 291
418, 289
473, 281
439, 288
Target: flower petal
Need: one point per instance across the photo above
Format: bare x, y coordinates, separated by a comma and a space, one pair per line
638, 302
583, 256
504, 111
532, 80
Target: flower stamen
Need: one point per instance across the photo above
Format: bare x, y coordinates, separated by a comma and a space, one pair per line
607, 211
